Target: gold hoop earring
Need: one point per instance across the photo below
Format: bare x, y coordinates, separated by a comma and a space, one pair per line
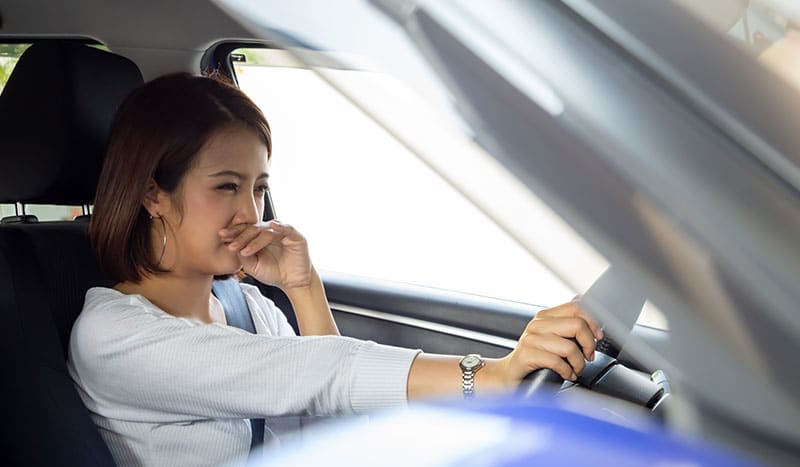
163, 238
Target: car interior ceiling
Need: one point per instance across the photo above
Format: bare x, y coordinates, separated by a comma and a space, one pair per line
55, 113
121, 25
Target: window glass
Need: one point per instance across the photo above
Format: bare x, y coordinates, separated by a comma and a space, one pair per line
7, 210
44, 212
9, 54
385, 214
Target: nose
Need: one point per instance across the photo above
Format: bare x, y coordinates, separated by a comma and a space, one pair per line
249, 209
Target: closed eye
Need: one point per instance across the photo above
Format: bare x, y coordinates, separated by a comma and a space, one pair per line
228, 187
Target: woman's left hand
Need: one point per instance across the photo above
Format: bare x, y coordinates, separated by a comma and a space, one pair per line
273, 253
561, 338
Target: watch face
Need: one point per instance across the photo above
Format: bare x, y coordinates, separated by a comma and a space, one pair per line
470, 362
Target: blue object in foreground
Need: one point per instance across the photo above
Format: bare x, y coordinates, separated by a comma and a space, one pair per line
498, 432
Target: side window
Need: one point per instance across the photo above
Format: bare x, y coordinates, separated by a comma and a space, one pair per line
44, 212
367, 205
9, 55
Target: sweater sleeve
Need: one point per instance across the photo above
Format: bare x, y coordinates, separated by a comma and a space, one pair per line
131, 361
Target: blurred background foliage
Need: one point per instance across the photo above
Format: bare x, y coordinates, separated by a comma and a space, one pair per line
9, 54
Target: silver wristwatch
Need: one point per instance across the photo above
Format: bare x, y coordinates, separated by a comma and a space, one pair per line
469, 366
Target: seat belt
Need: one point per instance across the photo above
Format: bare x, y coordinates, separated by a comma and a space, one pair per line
230, 294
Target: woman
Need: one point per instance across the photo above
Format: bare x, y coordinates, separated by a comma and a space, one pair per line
180, 201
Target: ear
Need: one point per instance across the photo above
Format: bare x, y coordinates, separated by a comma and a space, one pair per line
155, 199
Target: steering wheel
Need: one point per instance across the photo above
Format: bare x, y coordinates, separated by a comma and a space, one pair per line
609, 289
538, 379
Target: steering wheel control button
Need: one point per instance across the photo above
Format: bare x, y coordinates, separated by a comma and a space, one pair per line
470, 365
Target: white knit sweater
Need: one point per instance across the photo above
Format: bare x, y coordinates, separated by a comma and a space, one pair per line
173, 391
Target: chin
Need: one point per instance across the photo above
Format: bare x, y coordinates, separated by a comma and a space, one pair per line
228, 271
226, 266
225, 274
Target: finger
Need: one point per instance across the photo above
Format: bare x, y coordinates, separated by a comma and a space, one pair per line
232, 231
249, 233
565, 348
597, 330
261, 241
556, 363
286, 229
244, 237
572, 310
568, 328
586, 341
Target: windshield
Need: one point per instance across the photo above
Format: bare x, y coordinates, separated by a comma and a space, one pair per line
389, 80
408, 86
544, 269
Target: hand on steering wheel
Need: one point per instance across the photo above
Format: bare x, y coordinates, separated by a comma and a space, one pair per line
610, 289
560, 338
544, 377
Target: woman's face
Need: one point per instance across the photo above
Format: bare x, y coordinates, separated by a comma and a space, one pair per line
224, 187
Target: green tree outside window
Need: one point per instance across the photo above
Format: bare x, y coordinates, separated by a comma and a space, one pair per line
9, 54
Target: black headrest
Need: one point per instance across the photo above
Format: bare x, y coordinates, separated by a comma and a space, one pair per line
55, 115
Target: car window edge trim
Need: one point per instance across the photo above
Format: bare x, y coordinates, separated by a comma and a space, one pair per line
427, 325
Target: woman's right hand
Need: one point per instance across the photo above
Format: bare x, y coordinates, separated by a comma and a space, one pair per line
273, 253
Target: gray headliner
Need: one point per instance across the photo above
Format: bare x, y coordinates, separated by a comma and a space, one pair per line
119, 25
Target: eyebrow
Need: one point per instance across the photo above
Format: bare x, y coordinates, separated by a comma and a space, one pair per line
231, 173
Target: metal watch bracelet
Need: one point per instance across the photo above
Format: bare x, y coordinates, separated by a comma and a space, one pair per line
470, 365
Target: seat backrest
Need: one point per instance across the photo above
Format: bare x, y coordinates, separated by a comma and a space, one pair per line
55, 114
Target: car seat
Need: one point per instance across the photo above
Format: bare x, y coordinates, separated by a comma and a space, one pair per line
55, 114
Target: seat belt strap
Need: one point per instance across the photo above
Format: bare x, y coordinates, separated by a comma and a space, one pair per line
230, 294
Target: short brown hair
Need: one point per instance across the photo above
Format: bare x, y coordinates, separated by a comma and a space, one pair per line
156, 134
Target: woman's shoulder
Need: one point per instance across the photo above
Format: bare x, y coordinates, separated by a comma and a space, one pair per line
105, 315
100, 300
109, 318
105, 309
102, 295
